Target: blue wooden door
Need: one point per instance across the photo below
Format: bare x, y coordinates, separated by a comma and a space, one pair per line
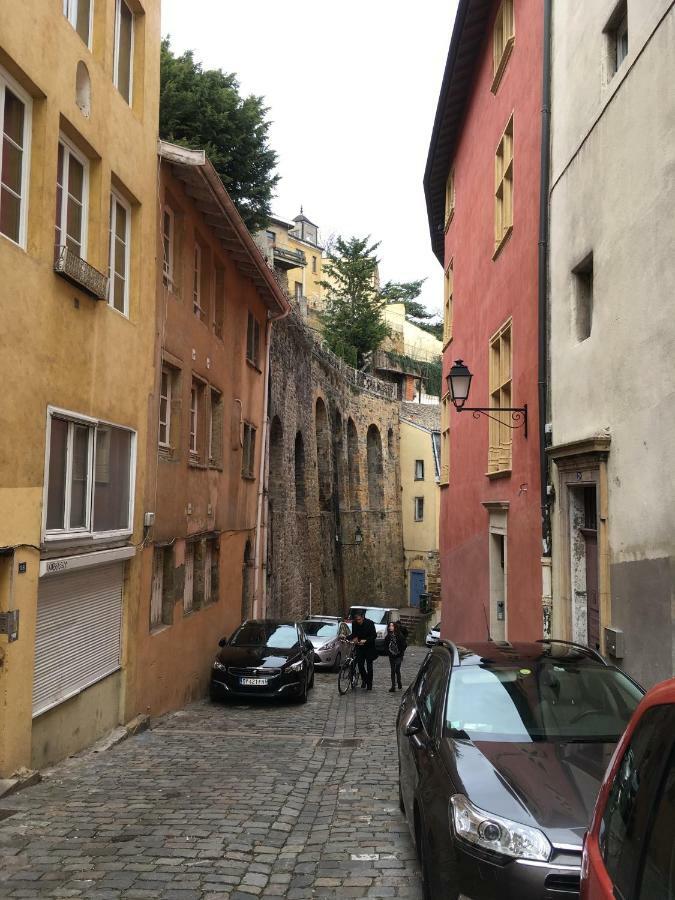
418, 585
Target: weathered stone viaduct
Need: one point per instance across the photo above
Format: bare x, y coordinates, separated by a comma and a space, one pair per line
333, 471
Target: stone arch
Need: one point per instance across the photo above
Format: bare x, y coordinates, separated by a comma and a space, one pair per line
246, 583
339, 473
276, 482
299, 473
375, 468
390, 443
323, 462
353, 467
83, 89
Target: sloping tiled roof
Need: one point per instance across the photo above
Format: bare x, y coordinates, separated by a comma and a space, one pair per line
424, 415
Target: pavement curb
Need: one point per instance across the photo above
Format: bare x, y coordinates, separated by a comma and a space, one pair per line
20, 780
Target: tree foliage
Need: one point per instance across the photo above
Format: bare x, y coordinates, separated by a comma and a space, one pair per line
353, 321
203, 109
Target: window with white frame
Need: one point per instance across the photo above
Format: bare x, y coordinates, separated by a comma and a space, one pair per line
248, 455
216, 424
253, 340
168, 230
189, 580
194, 418
124, 50
72, 190
197, 283
15, 121
89, 477
161, 597
419, 470
419, 509
120, 248
616, 31
165, 398
80, 13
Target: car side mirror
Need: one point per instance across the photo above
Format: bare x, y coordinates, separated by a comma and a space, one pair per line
222, 642
413, 725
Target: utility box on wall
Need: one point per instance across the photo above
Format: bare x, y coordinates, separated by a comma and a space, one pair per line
614, 642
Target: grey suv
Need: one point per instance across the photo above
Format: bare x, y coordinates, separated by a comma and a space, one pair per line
502, 749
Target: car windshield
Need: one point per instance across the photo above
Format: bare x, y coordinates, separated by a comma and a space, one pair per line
437, 627
550, 700
378, 616
320, 629
265, 634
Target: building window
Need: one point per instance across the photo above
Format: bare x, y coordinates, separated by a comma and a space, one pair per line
271, 237
15, 114
419, 470
583, 298
161, 598
447, 305
503, 38
216, 423
449, 198
617, 38
499, 454
196, 444
298, 291
89, 480
219, 308
189, 581
436, 448
72, 189
504, 187
419, 509
210, 570
444, 476
120, 244
197, 283
124, 50
253, 341
168, 233
314, 265
165, 408
79, 14
248, 451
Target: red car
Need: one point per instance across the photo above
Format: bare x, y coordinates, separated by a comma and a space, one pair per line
629, 852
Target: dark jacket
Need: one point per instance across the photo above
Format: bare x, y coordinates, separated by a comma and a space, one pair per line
401, 642
366, 631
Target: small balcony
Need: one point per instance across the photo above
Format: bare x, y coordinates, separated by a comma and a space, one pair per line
78, 272
386, 362
285, 258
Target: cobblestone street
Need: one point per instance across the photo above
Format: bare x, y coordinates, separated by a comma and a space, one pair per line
223, 802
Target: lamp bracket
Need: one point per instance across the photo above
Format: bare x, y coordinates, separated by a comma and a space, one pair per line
518, 414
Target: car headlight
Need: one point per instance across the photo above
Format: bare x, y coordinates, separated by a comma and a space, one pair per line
218, 665
297, 667
495, 833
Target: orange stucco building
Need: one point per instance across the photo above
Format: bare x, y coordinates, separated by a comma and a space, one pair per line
216, 301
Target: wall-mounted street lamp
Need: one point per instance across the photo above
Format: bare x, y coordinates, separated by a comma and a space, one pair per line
358, 539
459, 384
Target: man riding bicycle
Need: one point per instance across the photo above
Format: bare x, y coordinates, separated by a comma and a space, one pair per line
363, 636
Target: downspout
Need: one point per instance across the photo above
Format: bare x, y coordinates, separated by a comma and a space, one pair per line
543, 363
259, 592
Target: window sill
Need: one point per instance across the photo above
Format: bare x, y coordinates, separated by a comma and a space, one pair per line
217, 466
502, 243
168, 453
196, 463
495, 476
448, 220
501, 68
447, 343
158, 629
253, 365
248, 477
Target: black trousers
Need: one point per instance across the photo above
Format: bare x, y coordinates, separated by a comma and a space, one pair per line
365, 668
395, 665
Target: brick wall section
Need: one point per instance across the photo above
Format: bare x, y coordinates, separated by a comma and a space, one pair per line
302, 546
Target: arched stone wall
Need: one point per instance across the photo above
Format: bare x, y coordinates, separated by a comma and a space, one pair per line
299, 469
323, 455
278, 489
353, 465
375, 468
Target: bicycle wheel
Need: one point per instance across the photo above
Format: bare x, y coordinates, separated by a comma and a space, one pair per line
345, 676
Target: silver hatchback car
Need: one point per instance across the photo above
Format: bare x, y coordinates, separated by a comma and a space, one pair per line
329, 636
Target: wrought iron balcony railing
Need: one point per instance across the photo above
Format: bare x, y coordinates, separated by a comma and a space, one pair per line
78, 272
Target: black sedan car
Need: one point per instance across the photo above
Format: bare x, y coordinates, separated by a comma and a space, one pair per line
502, 749
264, 658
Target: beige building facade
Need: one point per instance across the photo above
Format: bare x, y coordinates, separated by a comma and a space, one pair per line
420, 426
79, 104
612, 280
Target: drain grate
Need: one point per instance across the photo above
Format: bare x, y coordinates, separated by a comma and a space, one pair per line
6, 813
339, 743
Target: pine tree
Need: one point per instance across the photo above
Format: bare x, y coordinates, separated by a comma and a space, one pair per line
407, 292
353, 321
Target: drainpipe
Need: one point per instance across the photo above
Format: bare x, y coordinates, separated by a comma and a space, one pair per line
260, 591
543, 363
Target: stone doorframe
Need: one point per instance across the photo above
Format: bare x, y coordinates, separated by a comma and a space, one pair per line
498, 512
579, 464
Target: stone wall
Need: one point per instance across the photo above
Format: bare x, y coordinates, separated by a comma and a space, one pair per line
333, 472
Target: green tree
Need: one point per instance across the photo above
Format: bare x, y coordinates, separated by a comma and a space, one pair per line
203, 109
353, 322
407, 292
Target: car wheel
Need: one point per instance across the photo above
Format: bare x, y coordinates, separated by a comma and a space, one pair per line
303, 696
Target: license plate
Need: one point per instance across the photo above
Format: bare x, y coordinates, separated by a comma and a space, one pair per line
253, 682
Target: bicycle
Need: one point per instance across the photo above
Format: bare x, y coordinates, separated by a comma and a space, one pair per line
348, 676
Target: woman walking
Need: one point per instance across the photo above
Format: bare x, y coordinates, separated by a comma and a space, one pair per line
395, 644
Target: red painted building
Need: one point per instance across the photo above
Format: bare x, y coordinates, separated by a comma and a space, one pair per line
482, 188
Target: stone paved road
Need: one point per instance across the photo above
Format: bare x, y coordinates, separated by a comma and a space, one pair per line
225, 803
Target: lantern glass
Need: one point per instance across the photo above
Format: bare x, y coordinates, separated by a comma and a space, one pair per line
459, 383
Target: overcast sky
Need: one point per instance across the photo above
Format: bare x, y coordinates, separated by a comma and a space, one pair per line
352, 89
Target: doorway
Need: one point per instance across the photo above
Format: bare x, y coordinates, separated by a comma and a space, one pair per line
418, 582
498, 586
583, 541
